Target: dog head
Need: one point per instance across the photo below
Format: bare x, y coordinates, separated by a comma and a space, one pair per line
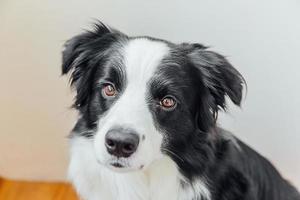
141, 98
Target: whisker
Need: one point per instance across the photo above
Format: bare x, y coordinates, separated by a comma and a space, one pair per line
173, 153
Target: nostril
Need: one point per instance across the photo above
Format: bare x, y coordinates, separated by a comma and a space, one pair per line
110, 144
129, 148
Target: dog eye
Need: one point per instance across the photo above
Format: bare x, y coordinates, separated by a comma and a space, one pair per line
109, 90
168, 102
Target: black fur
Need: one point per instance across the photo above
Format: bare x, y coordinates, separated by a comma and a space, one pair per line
200, 80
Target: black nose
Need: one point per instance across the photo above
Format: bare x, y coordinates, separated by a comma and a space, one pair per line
121, 142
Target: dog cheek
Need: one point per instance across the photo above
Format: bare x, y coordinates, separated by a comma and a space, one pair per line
159, 140
99, 145
150, 148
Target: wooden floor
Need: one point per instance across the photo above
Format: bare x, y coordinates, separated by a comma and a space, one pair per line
23, 190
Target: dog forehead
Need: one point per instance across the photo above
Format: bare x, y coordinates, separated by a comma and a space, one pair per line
142, 56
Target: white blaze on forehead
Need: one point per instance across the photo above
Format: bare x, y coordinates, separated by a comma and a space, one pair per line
141, 59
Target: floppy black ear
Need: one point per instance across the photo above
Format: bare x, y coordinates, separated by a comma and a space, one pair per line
81, 55
76, 47
218, 75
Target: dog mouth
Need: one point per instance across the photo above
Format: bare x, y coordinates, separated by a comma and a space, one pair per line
121, 166
117, 164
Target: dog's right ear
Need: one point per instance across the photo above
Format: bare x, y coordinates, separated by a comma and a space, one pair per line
75, 51
79, 56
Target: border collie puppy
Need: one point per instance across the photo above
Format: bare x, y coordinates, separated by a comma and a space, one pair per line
147, 123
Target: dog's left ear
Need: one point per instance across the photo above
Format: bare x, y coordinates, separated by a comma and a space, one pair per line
82, 55
218, 76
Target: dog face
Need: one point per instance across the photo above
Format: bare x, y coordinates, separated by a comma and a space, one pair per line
141, 98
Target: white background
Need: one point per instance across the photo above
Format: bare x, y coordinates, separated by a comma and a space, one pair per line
260, 37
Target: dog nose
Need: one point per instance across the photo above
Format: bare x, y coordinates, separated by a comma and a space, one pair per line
121, 142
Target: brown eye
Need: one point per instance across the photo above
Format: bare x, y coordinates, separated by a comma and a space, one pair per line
109, 90
168, 102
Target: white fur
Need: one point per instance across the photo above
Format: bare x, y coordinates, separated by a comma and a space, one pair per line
90, 169
160, 181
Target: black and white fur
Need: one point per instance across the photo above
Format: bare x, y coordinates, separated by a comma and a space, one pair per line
182, 154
